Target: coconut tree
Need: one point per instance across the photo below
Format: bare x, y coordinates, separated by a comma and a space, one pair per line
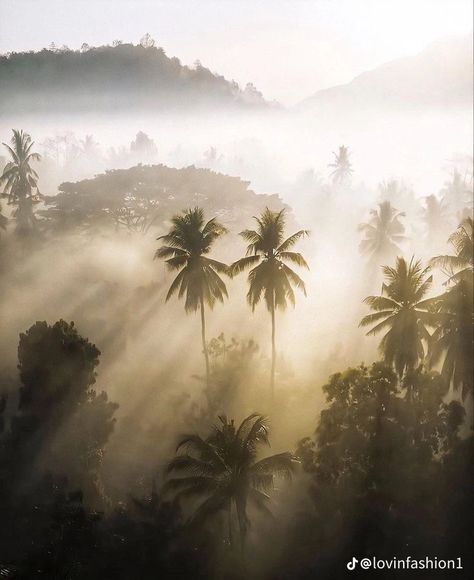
342, 166
456, 192
458, 266
452, 340
223, 469
383, 232
435, 217
270, 277
186, 248
20, 180
403, 312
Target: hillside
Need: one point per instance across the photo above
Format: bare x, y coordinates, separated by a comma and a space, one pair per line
124, 77
438, 77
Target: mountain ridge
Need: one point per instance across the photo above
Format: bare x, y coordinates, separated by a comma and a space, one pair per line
438, 76
124, 76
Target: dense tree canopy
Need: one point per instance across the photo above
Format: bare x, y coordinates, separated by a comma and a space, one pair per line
162, 191
122, 76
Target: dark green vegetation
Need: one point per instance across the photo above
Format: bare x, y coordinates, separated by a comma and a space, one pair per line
60, 79
175, 481
270, 278
20, 180
143, 196
223, 468
185, 249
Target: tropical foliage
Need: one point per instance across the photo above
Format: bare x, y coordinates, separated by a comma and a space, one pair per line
223, 468
404, 313
270, 278
20, 180
186, 248
383, 232
452, 340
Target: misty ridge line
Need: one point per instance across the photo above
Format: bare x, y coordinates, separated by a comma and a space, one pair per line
122, 75
142, 77
194, 387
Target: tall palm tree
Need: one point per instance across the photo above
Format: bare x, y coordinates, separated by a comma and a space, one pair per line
452, 339
20, 180
383, 232
270, 278
342, 166
185, 249
402, 311
223, 468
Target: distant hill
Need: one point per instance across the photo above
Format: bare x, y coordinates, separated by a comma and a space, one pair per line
440, 76
147, 196
108, 78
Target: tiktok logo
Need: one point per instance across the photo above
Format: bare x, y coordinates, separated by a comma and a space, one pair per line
352, 564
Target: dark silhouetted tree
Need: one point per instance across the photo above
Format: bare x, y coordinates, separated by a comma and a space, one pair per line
20, 180
452, 340
223, 468
270, 278
185, 249
403, 313
58, 408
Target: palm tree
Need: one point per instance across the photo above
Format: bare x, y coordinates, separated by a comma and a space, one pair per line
270, 278
456, 192
402, 310
20, 179
435, 218
453, 336
458, 266
342, 166
185, 248
383, 231
223, 468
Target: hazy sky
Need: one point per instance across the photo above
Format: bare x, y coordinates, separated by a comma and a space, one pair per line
287, 48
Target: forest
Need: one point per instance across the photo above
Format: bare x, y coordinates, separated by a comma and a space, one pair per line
236, 290
59, 79
141, 439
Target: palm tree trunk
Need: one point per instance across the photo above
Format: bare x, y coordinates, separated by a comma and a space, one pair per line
204, 342
229, 515
272, 377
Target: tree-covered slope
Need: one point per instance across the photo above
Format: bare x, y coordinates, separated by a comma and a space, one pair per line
107, 78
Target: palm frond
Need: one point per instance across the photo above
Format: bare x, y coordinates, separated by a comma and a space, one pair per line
292, 240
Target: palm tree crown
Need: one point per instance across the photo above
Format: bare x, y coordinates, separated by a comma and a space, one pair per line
403, 312
185, 248
267, 252
382, 232
19, 178
458, 266
452, 339
223, 468
270, 277
342, 165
